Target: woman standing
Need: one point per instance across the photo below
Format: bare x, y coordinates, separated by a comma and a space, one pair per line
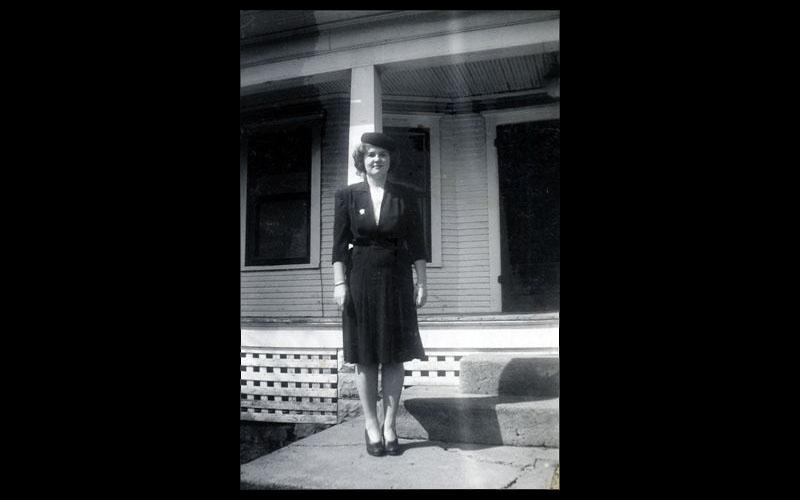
373, 284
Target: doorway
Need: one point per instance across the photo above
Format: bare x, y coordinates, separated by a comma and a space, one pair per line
528, 161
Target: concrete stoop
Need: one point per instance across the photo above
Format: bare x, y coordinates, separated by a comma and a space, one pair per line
447, 414
510, 374
502, 399
336, 459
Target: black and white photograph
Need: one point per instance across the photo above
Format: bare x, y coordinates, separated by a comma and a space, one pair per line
399, 196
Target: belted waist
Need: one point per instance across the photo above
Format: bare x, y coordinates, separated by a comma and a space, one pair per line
383, 243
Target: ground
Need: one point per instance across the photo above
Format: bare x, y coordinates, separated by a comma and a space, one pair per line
259, 438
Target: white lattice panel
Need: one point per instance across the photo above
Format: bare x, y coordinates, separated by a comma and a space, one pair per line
298, 386
439, 367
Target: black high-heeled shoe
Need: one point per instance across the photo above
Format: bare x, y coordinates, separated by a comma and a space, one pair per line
390, 447
376, 449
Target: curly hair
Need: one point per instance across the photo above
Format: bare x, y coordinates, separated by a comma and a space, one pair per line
358, 157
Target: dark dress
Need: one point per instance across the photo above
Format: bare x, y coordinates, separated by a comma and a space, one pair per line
379, 317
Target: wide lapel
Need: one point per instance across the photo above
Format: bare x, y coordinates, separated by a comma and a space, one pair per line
388, 194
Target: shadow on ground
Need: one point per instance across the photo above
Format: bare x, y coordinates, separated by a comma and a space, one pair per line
472, 419
259, 438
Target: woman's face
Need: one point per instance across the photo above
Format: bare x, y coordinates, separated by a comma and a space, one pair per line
376, 161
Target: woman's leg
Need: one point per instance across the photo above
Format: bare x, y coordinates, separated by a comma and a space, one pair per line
392, 376
367, 385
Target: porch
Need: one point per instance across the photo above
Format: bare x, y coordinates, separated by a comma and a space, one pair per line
293, 370
452, 86
460, 90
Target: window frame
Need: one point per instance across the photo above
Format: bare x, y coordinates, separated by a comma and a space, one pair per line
315, 193
428, 121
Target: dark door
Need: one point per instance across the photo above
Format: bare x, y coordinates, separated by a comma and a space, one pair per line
528, 158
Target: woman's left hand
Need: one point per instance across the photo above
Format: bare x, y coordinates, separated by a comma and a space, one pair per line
420, 295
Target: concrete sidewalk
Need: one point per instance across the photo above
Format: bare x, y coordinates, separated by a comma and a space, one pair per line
336, 459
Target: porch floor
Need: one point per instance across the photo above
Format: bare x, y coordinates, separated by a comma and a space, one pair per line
336, 459
464, 319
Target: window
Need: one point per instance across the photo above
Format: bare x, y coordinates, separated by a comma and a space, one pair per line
411, 167
415, 164
281, 198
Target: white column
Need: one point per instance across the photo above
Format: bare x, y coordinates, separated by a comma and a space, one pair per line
366, 111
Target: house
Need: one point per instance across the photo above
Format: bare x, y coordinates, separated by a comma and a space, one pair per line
473, 97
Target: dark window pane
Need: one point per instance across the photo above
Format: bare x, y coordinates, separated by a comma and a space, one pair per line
411, 167
283, 229
279, 197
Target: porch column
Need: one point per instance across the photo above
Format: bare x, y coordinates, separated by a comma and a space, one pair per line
366, 111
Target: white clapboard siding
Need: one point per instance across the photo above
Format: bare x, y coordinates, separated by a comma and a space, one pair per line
470, 246
473, 216
287, 302
461, 284
436, 280
276, 310
271, 313
254, 277
272, 286
285, 289
475, 253
471, 238
267, 280
335, 161
296, 296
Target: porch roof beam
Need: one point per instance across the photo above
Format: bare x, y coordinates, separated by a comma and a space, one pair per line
316, 79
504, 41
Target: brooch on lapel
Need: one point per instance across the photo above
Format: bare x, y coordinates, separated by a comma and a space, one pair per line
361, 212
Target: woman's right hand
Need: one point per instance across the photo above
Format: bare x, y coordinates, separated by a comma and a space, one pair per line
339, 294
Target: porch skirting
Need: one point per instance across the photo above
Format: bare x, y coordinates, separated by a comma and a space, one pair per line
294, 371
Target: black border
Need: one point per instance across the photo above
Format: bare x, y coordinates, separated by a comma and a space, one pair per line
153, 95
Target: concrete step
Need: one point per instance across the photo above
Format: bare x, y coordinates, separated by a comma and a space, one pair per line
510, 374
444, 413
336, 459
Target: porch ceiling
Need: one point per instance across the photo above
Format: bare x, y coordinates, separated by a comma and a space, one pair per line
466, 80
257, 25
472, 79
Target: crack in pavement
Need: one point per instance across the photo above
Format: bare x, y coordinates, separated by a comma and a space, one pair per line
326, 445
478, 458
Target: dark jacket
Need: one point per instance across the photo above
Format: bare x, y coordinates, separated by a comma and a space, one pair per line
399, 224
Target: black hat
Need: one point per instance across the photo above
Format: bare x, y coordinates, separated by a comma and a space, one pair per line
378, 139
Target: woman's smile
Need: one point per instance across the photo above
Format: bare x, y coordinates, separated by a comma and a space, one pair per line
376, 159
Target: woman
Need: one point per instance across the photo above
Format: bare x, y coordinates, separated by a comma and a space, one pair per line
373, 284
